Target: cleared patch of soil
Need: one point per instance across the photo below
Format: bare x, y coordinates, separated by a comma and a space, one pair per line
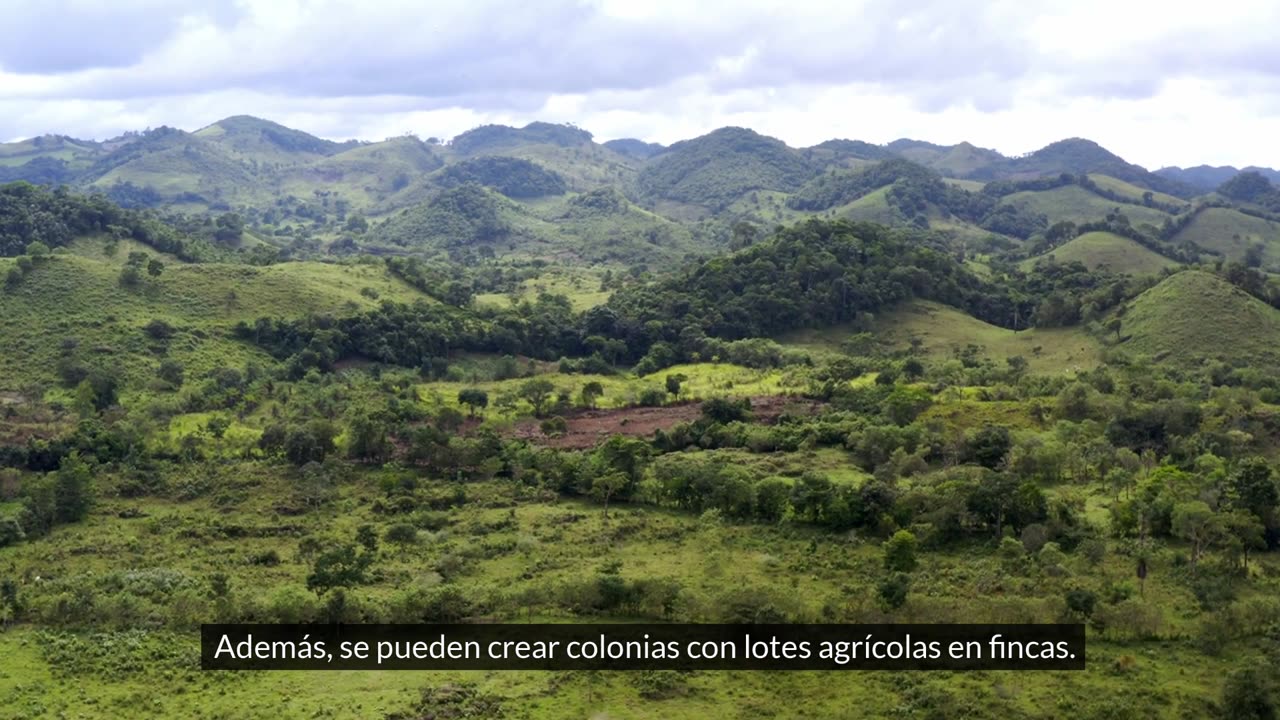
587, 428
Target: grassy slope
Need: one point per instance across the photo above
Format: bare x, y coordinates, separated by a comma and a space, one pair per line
1130, 190
945, 329
1076, 204
1231, 233
708, 560
580, 285
81, 298
1097, 249
1193, 316
367, 176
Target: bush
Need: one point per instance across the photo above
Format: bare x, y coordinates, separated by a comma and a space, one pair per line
651, 397
402, 533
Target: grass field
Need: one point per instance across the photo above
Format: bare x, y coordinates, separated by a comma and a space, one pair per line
944, 331
1133, 192
1193, 316
1077, 205
1103, 249
511, 543
82, 301
1231, 233
581, 285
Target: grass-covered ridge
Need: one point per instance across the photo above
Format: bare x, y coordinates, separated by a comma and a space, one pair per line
1194, 316
77, 309
1106, 250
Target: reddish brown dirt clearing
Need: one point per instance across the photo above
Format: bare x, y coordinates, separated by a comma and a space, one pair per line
586, 428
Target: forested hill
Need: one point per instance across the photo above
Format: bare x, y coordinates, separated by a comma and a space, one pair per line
260, 192
31, 214
814, 274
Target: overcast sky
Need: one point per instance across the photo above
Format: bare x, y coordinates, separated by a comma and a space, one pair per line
1160, 83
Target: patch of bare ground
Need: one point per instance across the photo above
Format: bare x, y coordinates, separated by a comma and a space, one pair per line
586, 428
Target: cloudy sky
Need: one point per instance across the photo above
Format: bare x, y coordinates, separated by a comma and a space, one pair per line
1159, 83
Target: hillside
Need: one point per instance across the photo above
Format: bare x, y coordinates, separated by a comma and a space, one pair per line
75, 310
462, 217
262, 141
961, 160
1193, 316
489, 139
181, 167
1075, 204
1231, 234
514, 177
1106, 250
1206, 177
634, 148
373, 177
718, 168
943, 332
1079, 156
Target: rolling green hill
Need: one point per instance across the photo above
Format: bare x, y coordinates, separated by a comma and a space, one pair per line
634, 148
489, 139
1106, 250
1231, 233
1133, 192
516, 178
75, 309
262, 141
718, 168
1075, 204
1079, 156
464, 216
601, 226
175, 163
1194, 316
295, 190
945, 331
377, 177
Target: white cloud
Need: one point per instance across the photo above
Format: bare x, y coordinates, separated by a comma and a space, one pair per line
1152, 81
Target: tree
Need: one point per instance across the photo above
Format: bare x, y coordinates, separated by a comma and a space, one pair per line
217, 426
342, 566
537, 392
724, 410
1113, 326
810, 495
1081, 602
900, 552
1249, 694
591, 392
171, 371
1245, 533
155, 268
367, 537
893, 590
473, 398
772, 495
1196, 523
673, 384
606, 486
317, 484
905, 403
131, 273
1253, 488
367, 438
73, 489
309, 443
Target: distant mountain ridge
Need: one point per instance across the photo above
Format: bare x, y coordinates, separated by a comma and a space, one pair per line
1205, 177
243, 138
554, 190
